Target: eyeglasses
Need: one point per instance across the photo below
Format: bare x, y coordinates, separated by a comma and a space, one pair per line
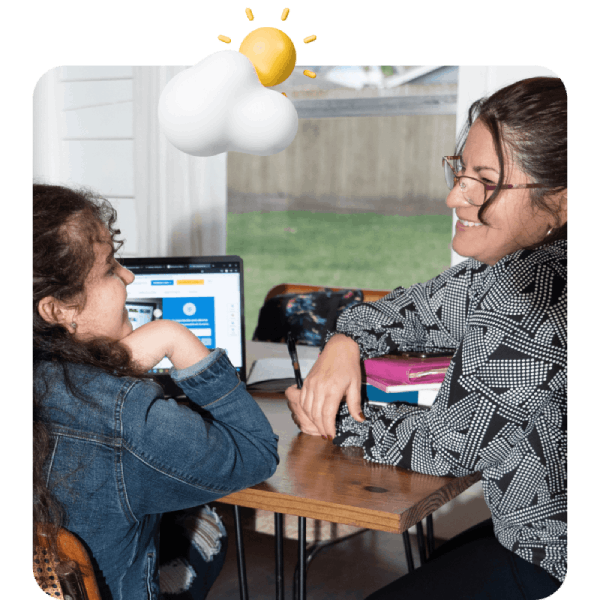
474, 190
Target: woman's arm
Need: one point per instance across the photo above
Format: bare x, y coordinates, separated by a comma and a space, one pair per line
425, 316
505, 381
335, 375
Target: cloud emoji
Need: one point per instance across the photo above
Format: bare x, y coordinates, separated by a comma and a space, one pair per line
219, 105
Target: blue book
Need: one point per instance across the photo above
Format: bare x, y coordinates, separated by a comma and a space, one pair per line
422, 395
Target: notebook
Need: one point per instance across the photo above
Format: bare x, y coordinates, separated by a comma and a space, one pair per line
204, 293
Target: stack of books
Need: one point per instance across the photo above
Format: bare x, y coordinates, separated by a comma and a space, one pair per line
398, 378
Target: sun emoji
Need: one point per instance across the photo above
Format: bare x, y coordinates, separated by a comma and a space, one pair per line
271, 52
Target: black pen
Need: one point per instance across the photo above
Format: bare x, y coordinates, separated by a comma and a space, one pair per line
291, 344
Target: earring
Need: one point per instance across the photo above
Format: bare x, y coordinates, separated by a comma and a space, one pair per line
74, 325
549, 231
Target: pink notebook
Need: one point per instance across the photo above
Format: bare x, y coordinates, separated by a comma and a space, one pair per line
394, 370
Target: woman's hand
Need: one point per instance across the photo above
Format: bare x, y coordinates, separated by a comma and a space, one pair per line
335, 374
299, 417
151, 342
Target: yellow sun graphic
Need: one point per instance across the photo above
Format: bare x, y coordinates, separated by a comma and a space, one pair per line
271, 52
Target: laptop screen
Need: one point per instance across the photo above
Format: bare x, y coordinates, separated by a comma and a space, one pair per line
203, 293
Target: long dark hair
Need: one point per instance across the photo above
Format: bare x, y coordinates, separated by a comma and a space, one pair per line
529, 119
66, 223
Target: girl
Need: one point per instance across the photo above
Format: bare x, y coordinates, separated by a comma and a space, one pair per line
111, 455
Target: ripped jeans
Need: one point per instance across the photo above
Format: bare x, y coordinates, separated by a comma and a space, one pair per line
193, 544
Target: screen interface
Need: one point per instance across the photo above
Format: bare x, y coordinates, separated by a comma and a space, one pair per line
206, 298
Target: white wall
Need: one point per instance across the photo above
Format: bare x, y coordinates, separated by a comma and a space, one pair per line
83, 136
98, 127
475, 83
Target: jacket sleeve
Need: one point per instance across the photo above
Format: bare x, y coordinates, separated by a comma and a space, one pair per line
176, 456
509, 366
424, 317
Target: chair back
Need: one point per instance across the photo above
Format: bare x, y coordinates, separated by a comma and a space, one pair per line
71, 576
302, 288
306, 311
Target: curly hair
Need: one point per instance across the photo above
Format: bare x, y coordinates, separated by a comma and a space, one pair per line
66, 223
528, 119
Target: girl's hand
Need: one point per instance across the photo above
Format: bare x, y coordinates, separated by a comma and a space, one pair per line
151, 342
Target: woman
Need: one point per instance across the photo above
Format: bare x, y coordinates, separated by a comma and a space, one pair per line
502, 407
111, 455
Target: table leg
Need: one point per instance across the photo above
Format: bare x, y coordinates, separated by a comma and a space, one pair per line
430, 544
302, 558
408, 552
279, 589
421, 543
313, 550
241, 557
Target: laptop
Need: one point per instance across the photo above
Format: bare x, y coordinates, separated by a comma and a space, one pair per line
204, 293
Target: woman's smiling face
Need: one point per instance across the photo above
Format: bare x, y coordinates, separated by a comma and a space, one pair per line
512, 222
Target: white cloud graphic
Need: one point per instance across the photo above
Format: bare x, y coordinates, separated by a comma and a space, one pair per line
219, 105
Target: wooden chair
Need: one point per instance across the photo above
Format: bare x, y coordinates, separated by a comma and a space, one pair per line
69, 578
302, 288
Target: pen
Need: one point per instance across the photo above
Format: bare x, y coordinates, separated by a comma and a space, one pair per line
291, 344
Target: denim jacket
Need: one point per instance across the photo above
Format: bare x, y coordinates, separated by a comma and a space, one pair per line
124, 455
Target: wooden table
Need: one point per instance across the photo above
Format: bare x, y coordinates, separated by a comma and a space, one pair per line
319, 480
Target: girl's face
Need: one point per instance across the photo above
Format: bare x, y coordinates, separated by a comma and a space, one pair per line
104, 313
512, 222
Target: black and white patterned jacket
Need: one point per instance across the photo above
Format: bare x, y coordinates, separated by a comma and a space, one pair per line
502, 408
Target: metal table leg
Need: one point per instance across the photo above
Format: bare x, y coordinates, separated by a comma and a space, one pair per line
430, 543
421, 543
302, 561
408, 552
302, 566
302, 558
312, 551
279, 588
241, 557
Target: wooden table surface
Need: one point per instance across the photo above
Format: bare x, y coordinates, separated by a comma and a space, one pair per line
319, 480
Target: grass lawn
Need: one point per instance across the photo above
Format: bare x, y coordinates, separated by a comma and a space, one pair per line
363, 250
